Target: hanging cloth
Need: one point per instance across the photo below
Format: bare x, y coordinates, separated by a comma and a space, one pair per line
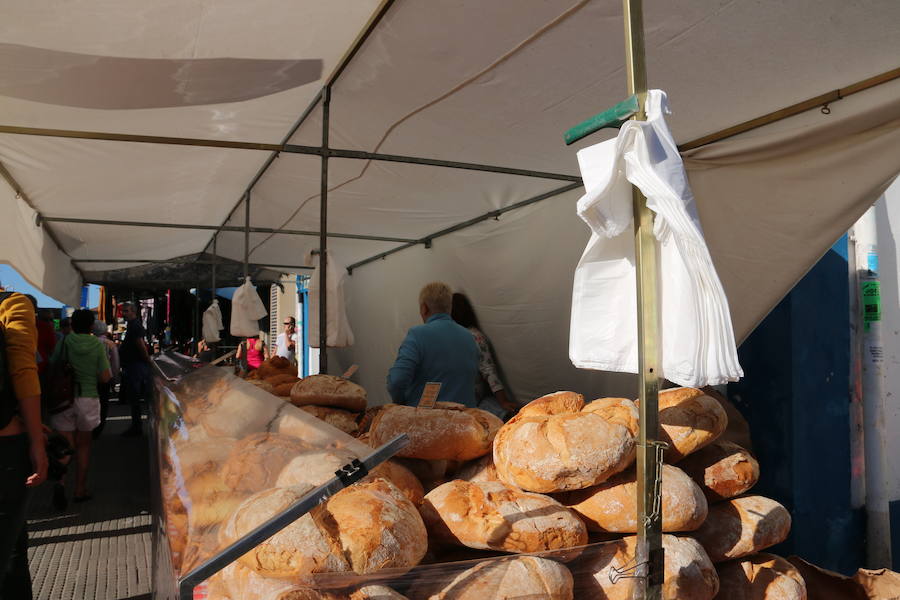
338, 326
697, 340
246, 310
212, 323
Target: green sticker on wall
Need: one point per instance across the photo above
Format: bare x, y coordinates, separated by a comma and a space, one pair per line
870, 292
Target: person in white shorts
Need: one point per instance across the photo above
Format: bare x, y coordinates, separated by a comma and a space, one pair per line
87, 356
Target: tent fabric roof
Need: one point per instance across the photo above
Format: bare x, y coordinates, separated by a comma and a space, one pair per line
469, 81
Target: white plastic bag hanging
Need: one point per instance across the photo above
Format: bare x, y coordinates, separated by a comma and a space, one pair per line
212, 323
339, 332
697, 340
246, 310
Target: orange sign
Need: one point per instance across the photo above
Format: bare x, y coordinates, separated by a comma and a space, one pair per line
429, 395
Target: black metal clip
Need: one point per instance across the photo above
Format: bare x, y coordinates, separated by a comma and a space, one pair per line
628, 571
352, 472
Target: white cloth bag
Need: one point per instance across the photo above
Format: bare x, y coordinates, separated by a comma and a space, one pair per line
212, 323
697, 339
246, 310
338, 326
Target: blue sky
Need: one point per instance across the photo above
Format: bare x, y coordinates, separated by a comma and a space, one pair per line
14, 282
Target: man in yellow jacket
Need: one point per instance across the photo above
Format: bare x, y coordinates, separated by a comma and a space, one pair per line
23, 459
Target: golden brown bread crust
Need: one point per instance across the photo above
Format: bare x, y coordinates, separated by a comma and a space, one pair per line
255, 462
743, 526
760, 577
618, 411
336, 417
611, 506
556, 452
557, 403
689, 420
445, 432
363, 528
521, 577
689, 574
280, 378
490, 515
481, 469
376, 592
403, 478
723, 470
329, 390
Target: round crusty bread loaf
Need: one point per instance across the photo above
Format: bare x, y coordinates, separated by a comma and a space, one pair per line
688, 575
723, 470
552, 445
255, 462
482, 469
445, 432
689, 420
490, 515
315, 467
376, 592
743, 526
242, 583
760, 577
336, 417
363, 528
329, 390
612, 505
282, 378
241, 410
504, 578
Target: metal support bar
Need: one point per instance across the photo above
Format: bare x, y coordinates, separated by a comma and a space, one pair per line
450, 164
214, 244
494, 214
649, 556
246, 234
331, 234
342, 478
323, 238
177, 261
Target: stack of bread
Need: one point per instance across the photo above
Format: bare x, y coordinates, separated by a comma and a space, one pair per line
518, 503
276, 375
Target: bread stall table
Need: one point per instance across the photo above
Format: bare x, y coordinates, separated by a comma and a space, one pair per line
463, 506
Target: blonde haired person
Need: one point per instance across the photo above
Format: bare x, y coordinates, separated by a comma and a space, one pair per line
438, 351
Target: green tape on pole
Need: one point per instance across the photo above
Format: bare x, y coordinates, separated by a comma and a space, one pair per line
870, 292
613, 117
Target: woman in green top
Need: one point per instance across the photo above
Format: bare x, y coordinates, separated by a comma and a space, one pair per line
88, 358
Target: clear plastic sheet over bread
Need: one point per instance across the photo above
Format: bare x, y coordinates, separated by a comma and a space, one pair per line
231, 455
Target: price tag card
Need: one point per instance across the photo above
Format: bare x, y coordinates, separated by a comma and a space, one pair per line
349, 372
429, 395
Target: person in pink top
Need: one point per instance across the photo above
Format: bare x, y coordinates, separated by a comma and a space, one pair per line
253, 351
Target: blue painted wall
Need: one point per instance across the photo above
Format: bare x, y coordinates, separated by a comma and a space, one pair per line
796, 397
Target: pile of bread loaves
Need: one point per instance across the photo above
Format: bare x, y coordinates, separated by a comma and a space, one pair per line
486, 510
335, 400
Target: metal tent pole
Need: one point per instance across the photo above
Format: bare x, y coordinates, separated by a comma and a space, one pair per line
214, 248
247, 234
649, 552
323, 237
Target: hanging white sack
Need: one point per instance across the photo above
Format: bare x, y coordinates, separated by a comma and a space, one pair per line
697, 340
246, 310
338, 326
212, 323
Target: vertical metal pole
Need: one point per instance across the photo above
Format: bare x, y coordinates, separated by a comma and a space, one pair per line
649, 552
247, 235
323, 236
214, 257
872, 384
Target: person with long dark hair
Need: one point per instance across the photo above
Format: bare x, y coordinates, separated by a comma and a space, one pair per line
490, 392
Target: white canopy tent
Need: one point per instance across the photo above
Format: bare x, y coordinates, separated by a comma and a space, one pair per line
221, 87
